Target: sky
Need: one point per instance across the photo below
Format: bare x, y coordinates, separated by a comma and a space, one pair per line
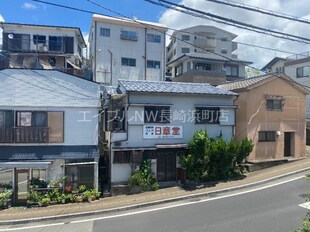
31, 12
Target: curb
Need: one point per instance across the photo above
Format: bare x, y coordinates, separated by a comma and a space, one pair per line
211, 194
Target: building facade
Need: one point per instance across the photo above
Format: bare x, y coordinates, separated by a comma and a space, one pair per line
43, 47
271, 112
48, 129
204, 54
156, 120
126, 49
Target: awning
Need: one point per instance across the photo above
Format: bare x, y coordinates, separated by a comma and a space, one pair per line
179, 145
26, 164
133, 148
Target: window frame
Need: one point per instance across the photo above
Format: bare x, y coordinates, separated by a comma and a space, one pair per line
40, 39
301, 72
185, 37
267, 136
231, 67
153, 38
187, 50
105, 32
130, 62
271, 106
162, 114
199, 113
154, 64
31, 116
129, 35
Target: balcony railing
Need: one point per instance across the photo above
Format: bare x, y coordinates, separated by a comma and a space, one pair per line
24, 134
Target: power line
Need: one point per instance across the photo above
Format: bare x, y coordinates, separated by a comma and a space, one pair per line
219, 19
261, 10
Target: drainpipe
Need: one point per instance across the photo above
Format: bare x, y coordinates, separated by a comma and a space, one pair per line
234, 133
111, 63
95, 53
145, 53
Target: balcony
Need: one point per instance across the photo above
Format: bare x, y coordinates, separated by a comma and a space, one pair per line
207, 43
24, 134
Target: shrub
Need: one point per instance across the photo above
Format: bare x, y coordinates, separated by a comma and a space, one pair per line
5, 198
144, 177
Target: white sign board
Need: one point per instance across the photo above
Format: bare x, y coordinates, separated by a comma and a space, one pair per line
162, 132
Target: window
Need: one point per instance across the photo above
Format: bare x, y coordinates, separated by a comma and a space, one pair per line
185, 50
121, 157
33, 119
157, 114
185, 37
224, 51
39, 39
266, 136
203, 66
6, 118
128, 62
153, 64
153, 38
16, 41
179, 70
232, 70
280, 69
274, 104
105, 32
55, 43
207, 115
80, 175
302, 72
224, 39
129, 35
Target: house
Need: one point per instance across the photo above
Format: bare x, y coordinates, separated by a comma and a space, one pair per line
204, 54
156, 120
43, 47
126, 49
271, 112
48, 129
275, 65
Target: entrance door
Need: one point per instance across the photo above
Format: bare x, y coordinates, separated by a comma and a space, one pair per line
288, 143
21, 185
166, 166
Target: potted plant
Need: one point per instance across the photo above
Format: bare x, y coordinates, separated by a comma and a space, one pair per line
82, 188
45, 201
63, 198
88, 195
5, 199
78, 198
33, 198
96, 194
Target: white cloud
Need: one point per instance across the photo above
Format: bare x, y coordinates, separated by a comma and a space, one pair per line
1, 18
29, 6
258, 56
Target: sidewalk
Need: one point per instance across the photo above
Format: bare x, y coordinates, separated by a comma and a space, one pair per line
125, 202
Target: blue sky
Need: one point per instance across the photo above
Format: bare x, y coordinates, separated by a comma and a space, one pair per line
31, 12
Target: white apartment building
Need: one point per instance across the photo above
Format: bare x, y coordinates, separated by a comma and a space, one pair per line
126, 49
204, 54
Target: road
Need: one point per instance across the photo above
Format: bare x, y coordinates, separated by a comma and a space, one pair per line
274, 209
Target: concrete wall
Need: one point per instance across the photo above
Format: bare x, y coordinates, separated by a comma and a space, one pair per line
253, 117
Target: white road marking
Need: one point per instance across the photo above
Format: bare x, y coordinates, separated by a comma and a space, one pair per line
153, 210
305, 205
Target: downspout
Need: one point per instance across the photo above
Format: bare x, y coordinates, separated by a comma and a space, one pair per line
234, 132
95, 52
111, 63
145, 53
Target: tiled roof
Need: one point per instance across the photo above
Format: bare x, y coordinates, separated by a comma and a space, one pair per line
172, 87
209, 56
250, 82
46, 88
110, 89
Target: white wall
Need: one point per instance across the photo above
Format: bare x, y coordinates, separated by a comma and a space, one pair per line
110, 50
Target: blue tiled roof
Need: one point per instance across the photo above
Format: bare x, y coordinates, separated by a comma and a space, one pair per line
46, 88
172, 87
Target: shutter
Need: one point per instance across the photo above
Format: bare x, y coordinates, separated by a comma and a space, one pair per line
56, 127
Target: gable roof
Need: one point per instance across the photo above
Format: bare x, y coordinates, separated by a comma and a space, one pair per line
172, 87
209, 56
272, 62
255, 81
46, 88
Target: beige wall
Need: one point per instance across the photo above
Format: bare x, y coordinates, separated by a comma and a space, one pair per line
253, 117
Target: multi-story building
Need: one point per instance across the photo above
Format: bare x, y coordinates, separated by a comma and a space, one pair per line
204, 54
43, 47
276, 65
48, 129
156, 120
126, 49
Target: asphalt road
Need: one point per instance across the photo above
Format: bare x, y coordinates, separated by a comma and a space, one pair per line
273, 209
